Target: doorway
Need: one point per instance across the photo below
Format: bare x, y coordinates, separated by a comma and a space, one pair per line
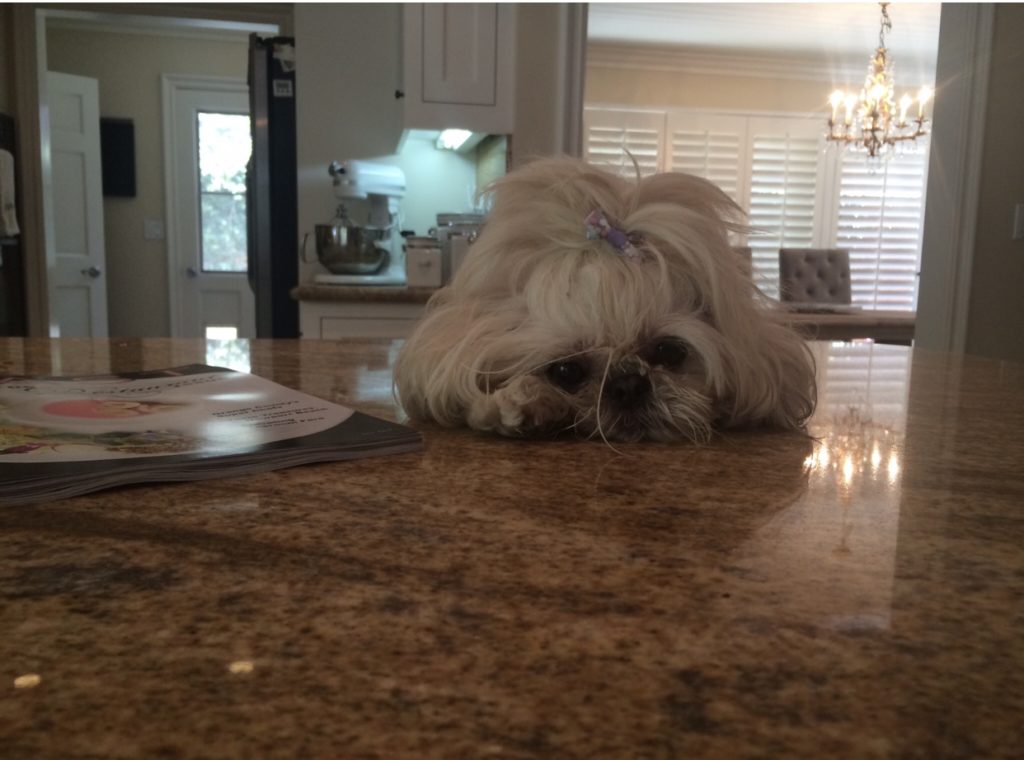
138, 268
207, 145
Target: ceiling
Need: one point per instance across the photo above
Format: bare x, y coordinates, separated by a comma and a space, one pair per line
846, 32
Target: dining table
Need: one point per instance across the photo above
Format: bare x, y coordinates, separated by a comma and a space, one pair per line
851, 590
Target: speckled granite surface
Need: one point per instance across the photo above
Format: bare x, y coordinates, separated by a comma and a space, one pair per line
857, 595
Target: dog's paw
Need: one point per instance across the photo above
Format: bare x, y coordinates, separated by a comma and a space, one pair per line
523, 405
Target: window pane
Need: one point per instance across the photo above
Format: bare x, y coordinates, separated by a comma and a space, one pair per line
223, 232
224, 148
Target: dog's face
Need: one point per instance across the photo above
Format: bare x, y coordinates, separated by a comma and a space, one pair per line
654, 389
641, 326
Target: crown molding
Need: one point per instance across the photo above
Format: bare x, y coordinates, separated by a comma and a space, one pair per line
724, 63
216, 29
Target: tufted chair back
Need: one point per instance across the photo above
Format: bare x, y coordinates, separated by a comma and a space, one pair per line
814, 275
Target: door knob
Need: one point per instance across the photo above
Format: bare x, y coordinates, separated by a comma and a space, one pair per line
191, 272
93, 272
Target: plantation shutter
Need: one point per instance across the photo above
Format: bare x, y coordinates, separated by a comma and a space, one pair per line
784, 194
711, 147
610, 133
795, 194
880, 222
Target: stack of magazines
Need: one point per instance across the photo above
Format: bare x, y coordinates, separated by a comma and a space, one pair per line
64, 436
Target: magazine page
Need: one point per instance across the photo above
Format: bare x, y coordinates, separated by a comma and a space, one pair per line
187, 410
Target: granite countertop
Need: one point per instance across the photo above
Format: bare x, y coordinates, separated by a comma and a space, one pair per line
314, 291
854, 594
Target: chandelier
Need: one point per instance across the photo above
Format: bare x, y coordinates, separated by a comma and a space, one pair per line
871, 121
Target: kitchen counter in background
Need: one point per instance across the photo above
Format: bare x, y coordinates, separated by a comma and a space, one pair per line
851, 594
340, 311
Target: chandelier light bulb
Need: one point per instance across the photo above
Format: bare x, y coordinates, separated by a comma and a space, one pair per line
905, 102
923, 96
835, 100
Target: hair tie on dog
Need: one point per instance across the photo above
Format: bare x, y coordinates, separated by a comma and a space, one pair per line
598, 226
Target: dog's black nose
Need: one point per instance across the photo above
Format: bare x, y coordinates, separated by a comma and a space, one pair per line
629, 390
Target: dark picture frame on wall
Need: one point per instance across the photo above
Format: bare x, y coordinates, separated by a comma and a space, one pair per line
117, 149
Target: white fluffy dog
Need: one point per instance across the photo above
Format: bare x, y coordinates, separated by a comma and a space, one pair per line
600, 306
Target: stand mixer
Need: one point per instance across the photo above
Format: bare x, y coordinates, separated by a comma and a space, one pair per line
369, 254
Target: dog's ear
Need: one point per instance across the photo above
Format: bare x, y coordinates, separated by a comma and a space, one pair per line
458, 353
765, 376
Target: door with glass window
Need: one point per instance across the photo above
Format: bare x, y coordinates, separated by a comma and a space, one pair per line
210, 144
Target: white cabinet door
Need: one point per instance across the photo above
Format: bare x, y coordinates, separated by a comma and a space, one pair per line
459, 53
80, 289
459, 66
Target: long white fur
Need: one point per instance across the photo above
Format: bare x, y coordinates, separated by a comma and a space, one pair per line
534, 289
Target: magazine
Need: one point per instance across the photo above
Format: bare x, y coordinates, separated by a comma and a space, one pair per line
64, 436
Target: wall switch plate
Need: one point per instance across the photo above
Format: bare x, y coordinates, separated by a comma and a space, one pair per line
153, 229
1018, 222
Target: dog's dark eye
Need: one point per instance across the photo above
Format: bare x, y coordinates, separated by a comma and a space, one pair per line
669, 354
568, 375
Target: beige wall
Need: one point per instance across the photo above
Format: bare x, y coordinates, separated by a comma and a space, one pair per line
995, 323
677, 89
128, 67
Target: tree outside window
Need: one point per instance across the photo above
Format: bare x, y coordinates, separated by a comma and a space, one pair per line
225, 144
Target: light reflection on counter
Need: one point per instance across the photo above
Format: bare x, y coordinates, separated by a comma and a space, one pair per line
861, 417
233, 354
376, 383
834, 551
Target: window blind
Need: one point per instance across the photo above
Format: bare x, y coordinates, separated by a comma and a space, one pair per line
715, 156
612, 136
783, 192
880, 218
795, 193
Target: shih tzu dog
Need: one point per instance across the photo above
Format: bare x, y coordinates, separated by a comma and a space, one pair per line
598, 306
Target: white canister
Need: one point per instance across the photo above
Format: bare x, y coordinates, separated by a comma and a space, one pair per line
423, 263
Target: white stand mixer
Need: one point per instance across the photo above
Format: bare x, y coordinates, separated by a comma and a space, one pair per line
381, 186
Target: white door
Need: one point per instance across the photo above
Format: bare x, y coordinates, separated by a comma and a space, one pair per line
80, 287
208, 145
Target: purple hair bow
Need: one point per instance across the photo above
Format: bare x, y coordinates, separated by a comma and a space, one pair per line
598, 226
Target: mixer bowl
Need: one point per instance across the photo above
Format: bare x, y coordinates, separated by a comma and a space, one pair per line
351, 250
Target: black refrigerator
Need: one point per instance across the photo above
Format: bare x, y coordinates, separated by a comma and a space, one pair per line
272, 187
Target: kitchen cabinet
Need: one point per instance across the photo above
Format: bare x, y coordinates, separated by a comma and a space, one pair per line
333, 320
459, 66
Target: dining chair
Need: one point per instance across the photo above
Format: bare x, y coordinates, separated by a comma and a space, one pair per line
814, 275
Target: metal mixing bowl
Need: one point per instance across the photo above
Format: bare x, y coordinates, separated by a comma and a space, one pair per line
351, 250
